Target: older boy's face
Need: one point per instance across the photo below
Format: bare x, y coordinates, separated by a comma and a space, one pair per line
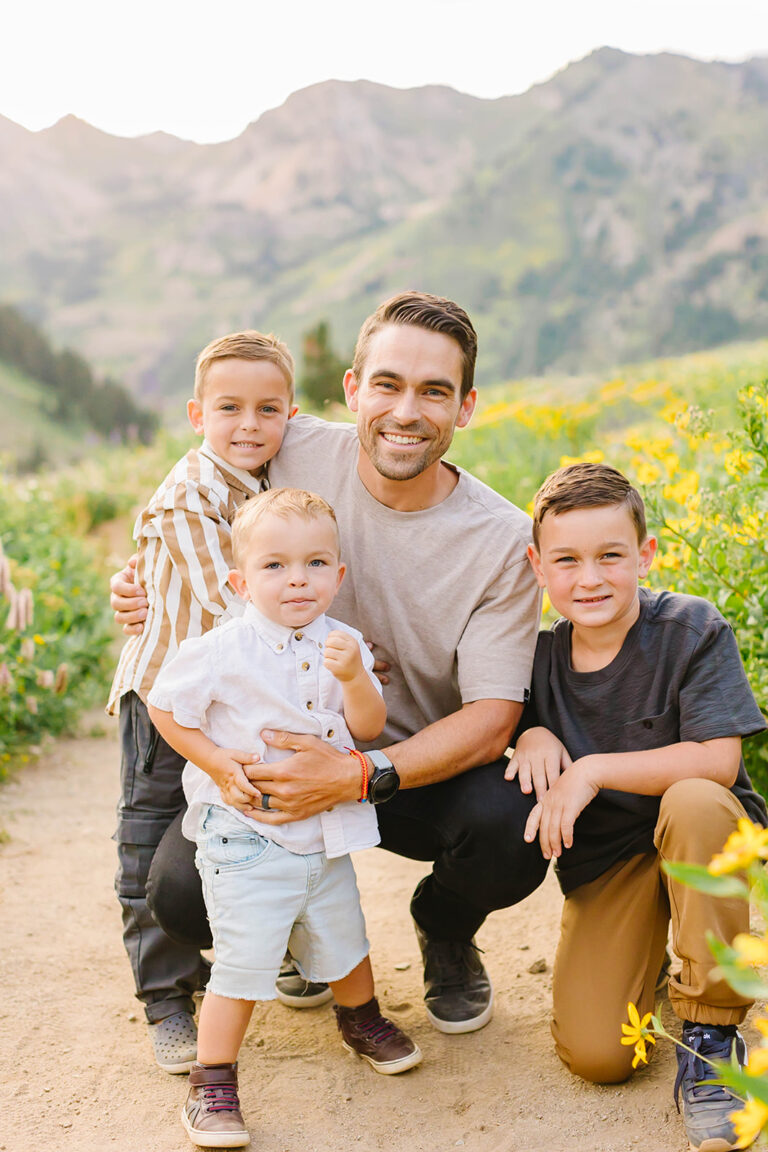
291, 571
408, 402
244, 410
590, 561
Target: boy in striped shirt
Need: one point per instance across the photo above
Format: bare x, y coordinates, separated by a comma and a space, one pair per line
243, 399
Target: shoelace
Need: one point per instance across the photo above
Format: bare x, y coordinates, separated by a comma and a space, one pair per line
377, 1028
220, 1098
717, 1047
449, 961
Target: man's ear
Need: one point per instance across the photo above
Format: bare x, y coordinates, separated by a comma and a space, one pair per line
647, 553
467, 408
237, 580
351, 389
195, 414
535, 562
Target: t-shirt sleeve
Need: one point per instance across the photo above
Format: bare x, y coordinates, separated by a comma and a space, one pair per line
183, 686
715, 698
495, 652
193, 526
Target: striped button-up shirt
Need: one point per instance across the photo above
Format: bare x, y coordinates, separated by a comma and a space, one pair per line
184, 539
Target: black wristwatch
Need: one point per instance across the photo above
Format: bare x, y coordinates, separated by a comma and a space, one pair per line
384, 780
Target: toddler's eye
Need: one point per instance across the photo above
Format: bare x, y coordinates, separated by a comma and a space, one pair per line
317, 563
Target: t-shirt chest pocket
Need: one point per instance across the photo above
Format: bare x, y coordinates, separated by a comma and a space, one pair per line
653, 731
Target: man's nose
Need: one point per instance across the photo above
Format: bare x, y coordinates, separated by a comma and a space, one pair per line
406, 408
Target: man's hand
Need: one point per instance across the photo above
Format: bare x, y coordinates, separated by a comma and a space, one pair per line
380, 667
311, 781
555, 814
225, 767
342, 656
127, 599
537, 761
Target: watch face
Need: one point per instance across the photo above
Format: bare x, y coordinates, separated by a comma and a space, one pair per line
384, 783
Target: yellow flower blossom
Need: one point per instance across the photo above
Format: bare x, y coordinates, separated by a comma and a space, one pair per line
738, 463
761, 1023
646, 390
750, 949
613, 390
748, 843
683, 489
748, 1122
638, 1034
647, 473
594, 456
757, 1064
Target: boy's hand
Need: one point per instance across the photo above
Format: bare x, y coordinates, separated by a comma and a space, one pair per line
537, 761
555, 814
225, 768
380, 667
342, 656
127, 599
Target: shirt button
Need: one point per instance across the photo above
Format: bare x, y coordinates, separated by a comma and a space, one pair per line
299, 635
330, 733
309, 705
647, 723
305, 666
279, 647
319, 644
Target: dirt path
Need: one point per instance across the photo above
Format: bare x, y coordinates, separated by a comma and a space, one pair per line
77, 1067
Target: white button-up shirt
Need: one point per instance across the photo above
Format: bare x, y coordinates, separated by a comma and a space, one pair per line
251, 674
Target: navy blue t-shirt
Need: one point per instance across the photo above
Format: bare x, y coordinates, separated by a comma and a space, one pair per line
678, 676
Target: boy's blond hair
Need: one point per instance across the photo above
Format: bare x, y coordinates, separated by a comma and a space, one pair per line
276, 502
247, 345
587, 486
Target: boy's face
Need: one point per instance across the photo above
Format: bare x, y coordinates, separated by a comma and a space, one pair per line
590, 561
243, 412
292, 571
408, 402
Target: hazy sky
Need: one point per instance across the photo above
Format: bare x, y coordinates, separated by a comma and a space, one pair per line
204, 70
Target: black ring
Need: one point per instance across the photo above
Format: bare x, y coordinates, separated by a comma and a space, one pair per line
265, 801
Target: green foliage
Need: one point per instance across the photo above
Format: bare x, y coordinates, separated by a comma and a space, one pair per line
75, 394
323, 370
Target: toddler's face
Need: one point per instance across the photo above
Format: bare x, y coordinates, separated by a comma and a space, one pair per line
243, 412
292, 570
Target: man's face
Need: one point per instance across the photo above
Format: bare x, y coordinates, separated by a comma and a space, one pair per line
408, 401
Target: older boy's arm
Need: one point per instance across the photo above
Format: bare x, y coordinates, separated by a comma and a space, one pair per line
537, 761
319, 776
648, 773
223, 765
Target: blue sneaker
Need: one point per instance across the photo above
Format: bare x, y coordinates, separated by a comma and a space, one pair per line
706, 1106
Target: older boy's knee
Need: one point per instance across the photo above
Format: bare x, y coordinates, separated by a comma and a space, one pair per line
606, 1063
698, 816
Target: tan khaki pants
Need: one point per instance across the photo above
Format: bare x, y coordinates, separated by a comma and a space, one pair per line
614, 931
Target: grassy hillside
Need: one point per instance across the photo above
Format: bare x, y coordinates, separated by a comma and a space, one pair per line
31, 435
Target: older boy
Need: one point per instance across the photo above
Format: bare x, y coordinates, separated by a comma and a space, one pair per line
640, 701
243, 399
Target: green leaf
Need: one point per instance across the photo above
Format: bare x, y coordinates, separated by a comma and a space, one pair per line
740, 1081
746, 981
697, 876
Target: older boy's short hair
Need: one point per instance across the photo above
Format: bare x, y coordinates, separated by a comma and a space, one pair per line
247, 345
277, 502
587, 486
422, 310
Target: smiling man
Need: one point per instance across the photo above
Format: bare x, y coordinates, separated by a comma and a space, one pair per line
438, 581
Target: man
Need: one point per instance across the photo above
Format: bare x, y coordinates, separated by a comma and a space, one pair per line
438, 581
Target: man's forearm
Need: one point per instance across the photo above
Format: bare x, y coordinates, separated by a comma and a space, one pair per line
477, 734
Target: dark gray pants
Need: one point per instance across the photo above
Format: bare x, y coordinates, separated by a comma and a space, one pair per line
166, 972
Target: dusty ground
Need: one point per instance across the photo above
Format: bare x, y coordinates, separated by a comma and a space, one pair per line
76, 1060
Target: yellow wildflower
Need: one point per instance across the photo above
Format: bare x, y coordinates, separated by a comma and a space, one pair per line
594, 456
758, 1062
750, 949
646, 473
737, 463
761, 1023
748, 843
748, 1122
638, 1033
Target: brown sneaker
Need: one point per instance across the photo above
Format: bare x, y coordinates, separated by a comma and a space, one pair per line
211, 1114
367, 1033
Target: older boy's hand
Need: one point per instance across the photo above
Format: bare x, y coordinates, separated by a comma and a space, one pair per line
342, 655
127, 599
555, 814
537, 761
315, 778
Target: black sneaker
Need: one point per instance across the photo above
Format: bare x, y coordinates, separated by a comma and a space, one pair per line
457, 992
706, 1106
292, 989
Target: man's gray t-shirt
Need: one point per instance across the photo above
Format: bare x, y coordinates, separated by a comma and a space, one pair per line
678, 676
446, 594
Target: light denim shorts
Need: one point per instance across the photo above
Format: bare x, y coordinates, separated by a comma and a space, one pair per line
262, 899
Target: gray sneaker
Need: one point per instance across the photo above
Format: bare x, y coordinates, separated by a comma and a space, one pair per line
706, 1106
457, 990
292, 989
174, 1040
